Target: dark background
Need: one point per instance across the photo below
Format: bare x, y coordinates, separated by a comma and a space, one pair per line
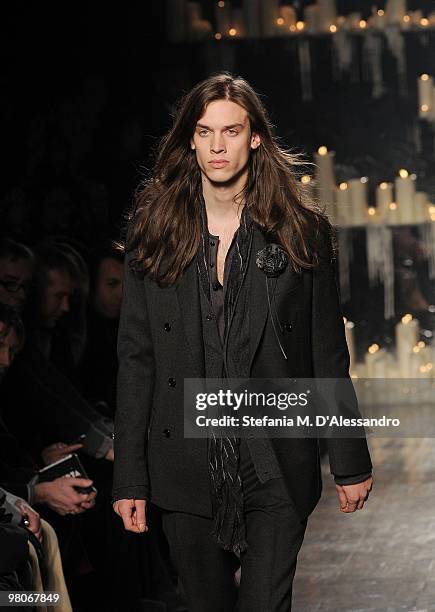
87, 90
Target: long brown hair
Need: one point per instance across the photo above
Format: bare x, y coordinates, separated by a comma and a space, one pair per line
164, 224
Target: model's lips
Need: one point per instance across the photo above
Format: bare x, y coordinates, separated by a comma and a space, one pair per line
218, 163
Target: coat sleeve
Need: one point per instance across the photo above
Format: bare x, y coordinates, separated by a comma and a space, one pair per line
135, 383
347, 456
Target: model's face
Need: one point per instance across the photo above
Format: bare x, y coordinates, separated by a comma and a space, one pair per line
223, 141
15, 281
108, 289
8, 347
55, 301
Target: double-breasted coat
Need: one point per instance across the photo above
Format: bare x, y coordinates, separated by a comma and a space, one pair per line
160, 343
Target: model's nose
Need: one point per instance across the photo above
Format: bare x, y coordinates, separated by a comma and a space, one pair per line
217, 144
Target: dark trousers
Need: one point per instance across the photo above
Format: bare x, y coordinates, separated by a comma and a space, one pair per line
274, 535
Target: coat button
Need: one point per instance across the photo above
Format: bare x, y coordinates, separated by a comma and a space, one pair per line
172, 382
166, 433
288, 327
167, 327
209, 317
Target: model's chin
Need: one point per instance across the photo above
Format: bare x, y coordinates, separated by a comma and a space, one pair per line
223, 176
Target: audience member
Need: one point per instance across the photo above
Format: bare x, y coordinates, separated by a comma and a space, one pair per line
99, 366
43, 549
18, 471
48, 408
16, 270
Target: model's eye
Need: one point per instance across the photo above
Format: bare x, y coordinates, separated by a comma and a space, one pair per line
203, 132
232, 132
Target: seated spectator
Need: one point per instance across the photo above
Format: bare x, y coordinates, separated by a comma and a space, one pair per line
69, 334
16, 270
43, 549
18, 471
50, 407
99, 366
15, 567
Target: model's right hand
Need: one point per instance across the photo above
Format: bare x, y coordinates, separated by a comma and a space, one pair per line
133, 514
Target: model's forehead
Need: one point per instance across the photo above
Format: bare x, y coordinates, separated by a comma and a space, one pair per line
223, 112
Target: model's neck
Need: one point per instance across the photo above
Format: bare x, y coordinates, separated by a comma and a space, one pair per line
221, 203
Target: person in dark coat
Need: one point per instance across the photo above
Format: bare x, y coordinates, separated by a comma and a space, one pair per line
229, 273
99, 365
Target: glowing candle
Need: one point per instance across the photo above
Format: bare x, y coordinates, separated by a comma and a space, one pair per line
425, 96
288, 13
325, 178
358, 200
376, 362
405, 193
384, 197
407, 335
421, 206
343, 205
269, 15
327, 14
395, 11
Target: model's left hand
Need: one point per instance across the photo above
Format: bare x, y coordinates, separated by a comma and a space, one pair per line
352, 497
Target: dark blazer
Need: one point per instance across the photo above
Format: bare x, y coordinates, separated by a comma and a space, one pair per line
160, 343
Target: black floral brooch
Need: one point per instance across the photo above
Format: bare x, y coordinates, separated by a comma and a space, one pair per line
272, 260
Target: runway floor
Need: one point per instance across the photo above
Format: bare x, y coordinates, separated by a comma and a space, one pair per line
381, 558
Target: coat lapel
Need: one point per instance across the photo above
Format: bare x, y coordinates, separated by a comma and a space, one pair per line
258, 301
187, 292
